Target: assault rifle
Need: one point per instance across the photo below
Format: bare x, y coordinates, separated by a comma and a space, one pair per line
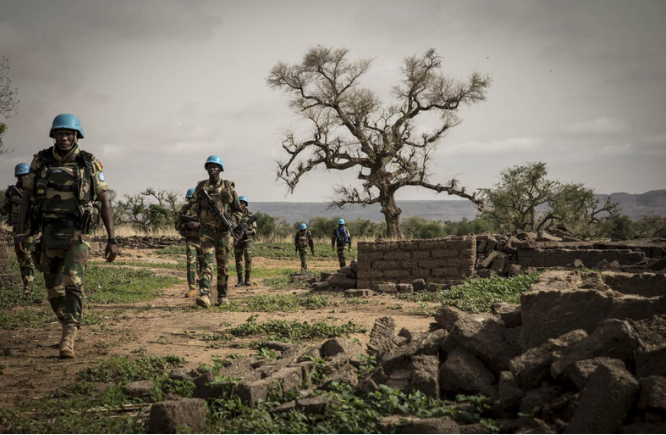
218, 214
240, 229
18, 192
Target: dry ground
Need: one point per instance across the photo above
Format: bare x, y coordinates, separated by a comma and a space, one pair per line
169, 325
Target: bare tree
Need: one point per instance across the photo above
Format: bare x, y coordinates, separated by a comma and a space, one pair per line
8, 101
352, 129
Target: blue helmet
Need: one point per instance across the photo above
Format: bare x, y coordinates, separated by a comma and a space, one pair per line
21, 169
190, 193
303, 227
244, 199
214, 159
341, 221
66, 120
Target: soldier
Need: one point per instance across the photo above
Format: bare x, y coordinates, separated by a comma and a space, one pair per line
342, 238
243, 248
214, 234
63, 184
302, 240
13, 197
188, 226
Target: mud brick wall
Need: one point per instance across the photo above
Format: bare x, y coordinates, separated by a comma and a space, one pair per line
7, 279
566, 257
435, 260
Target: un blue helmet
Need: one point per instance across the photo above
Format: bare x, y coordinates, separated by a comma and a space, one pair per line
244, 199
341, 221
21, 169
214, 159
66, 120
303, 227
190, 193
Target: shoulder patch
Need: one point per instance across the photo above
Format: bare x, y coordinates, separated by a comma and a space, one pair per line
101, 176
98, 166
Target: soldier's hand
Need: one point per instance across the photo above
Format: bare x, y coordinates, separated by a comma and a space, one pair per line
195, 225
110, 252
15, 200
19, 245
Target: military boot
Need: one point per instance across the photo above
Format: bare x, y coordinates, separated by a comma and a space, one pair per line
67, 340
247, 282
203, 301
240, 280
222, 295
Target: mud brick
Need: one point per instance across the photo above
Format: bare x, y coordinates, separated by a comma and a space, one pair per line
364, 246
421, 255
431, 264
363, 283
446, 272
370, 273
411, 264
467, 270
468, 253
364, 262
461, 244
382, 264
421, 273
397, 273
445, 253
397, 255
371, 255
433, 244
459, 262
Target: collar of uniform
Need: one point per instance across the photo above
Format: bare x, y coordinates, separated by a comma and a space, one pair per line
214, 185
71, 155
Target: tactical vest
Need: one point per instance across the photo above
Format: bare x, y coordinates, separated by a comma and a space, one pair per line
222, 195
302, 239
180, 226
64, 196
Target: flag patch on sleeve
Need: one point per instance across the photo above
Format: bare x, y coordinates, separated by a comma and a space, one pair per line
98, 165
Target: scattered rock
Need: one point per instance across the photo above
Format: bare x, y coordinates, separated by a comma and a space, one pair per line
464, 373
418, 284
381, 337
177, 416
413, 425
358, 293
385, 287
404, 288
139, 388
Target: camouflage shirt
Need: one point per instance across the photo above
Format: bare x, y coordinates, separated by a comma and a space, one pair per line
225, 197
186, 210
65, 183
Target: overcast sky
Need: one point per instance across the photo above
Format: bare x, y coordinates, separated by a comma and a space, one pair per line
160, 85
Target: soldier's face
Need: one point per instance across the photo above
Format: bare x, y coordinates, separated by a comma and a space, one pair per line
65, 139
243, 205
21, 179
213, 170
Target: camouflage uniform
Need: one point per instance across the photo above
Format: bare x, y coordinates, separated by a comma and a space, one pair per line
244, 249
342, 238
193, 246
216, 241
64, 189
26, 262
302, 240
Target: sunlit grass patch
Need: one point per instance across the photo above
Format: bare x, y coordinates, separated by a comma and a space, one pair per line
105, 285
279, 302
293, 329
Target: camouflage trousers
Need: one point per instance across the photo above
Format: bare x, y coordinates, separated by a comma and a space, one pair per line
27, 264
341, 255
63, 277
216, 248
194, 262
241, 250
303, 253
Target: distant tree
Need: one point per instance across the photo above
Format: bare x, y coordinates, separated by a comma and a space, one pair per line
149, 210
350, 128
411, 226
650, 226
524, 199
365, 228
622, 228
8, 101
431, 230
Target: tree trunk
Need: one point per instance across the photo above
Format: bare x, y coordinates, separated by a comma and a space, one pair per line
391, 213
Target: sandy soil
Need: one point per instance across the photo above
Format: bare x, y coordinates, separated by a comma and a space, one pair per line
167, 325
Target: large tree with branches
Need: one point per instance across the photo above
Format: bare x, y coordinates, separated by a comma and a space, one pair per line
8, 101
352, 129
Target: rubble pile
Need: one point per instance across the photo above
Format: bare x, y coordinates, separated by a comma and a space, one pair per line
575, 356
142, 242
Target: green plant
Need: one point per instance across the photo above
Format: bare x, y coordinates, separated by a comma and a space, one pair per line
292, 330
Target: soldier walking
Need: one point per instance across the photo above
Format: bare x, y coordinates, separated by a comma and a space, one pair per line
187, 225
302, 240
342, 237
13, 199
63, 183
217, 202
243, 248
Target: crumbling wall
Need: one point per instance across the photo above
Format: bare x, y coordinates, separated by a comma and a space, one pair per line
435, 260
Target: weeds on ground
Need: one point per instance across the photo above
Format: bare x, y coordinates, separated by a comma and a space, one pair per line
292, 330
478, 295
279, 302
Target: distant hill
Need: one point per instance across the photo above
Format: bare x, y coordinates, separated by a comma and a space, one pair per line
633, 205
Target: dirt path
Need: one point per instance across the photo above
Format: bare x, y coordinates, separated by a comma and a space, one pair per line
167, 325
